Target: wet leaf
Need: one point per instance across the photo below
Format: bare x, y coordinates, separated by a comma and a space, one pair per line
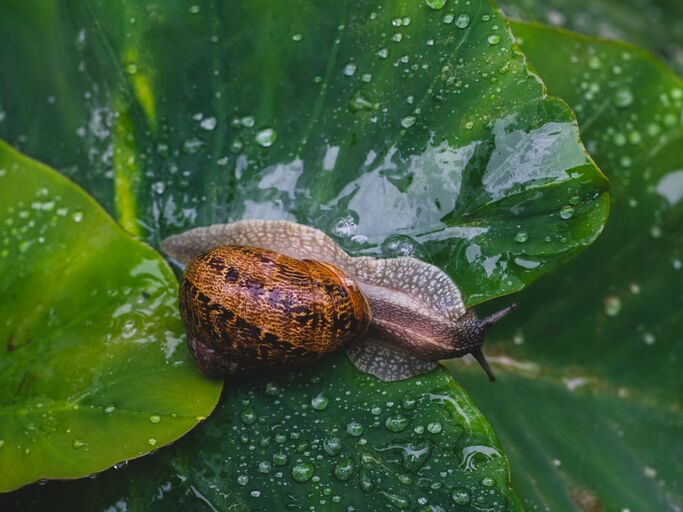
328, 438
92, 366
653, 25
588, 402
398, 129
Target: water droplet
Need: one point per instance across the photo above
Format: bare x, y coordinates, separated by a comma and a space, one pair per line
243, 480
248, 121
649, 338
434, 427
623, 97
398, 501
332, 445
280, 458
383, 53
397, 37
359, 102
272, 389
655, 232
208, 123
266, 137
78, 443
396, 423
355, 429
109, 409
319, 403
77, 217
264, 467
155, 418
493, 39
302, 472
343, 470
448, 19
248, 416
487, 481
566, 212
151, 441
408, 121
460, 496
350, 69
121, 465
297, 37
436, 4
366, 483
192, 146
677, 264
612, 305
521, 237
463, 20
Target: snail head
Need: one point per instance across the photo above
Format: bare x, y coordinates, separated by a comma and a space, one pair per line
471, 332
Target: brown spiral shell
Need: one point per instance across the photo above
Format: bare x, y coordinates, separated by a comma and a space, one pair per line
263, 309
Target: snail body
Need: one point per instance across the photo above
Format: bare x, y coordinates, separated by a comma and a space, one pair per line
271, 294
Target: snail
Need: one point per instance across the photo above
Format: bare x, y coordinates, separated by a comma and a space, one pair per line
269, 294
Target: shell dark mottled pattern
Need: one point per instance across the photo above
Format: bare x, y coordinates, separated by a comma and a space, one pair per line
262, 308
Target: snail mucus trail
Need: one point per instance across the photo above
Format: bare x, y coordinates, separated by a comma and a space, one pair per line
270, 294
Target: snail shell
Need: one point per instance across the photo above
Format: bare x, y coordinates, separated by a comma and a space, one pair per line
264, 309
259, 294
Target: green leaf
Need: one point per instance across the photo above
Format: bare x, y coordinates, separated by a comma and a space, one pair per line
326, 438
653, 25
588, 402
92, 366
395, 127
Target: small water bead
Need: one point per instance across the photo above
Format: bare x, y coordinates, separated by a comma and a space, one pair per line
78, 443
243, 480
376, 411
493, 39
487, 481
408, 121
332, 445
264, 467
255, 493
398, 501
280, 459
77, 217
677, 264
109, 409
280, 438
396, 423
272, 389
460, 496
655, 232
463, 20
521, 237
350, 69
248, 416
155, 418
408, 403
355, 429
366, 77
343, 470
436, 4
208, 123
266, 137
366, 483
649, 338
434, 427
448, 19
151, 441
566, 212
623, 97
319, 403
302, 472
383, 53
121, 465
397, 37
619, 139
297, 37
612, 305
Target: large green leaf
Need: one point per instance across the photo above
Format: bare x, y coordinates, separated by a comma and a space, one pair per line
400, 128
326, 438
589, 400
654, 25
92, 370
